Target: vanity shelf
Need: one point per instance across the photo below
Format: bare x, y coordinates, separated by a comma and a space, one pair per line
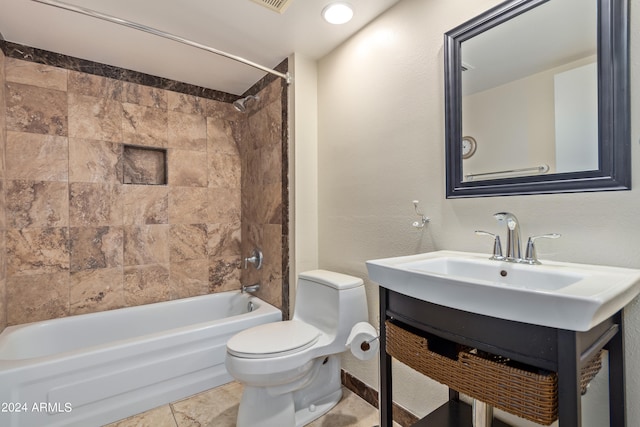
522, 390
561, 351
454, 413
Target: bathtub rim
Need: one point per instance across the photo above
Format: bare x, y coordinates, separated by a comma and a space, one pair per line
263, 309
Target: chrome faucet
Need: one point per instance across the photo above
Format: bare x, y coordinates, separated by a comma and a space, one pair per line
514, 252
250, 288
497, 246
256, 258
531, 257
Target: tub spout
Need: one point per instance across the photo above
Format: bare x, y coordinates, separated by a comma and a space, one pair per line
251, 288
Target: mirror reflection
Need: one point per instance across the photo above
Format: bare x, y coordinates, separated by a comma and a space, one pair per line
542, 105
529, 90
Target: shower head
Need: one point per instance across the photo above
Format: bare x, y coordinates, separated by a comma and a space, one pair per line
241, 104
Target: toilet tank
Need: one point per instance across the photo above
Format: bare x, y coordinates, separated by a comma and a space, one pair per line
330, 301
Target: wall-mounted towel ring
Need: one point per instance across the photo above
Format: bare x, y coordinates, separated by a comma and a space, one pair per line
423, 219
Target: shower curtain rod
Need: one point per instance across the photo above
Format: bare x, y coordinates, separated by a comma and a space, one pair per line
140, 27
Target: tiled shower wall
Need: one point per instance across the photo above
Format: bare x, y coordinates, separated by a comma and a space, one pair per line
79, 240
3, 133
263, 215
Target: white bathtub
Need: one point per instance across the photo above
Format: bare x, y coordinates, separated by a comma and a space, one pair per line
93, 369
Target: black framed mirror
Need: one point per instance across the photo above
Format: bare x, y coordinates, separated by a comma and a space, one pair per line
507, 54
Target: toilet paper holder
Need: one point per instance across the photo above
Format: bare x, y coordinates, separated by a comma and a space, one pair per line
362, 339
366, 345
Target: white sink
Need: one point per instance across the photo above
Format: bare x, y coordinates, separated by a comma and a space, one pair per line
561, 295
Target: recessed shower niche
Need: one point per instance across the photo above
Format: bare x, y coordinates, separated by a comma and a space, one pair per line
144, 165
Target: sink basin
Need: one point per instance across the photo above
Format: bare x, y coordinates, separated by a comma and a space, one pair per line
568, 296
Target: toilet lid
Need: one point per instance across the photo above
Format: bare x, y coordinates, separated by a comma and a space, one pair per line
273, 339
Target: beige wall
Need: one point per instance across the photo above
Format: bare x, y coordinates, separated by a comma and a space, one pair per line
509, 147
381, 145
79, 240
303, 165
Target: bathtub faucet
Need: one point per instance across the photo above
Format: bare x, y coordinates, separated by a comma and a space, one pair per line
251, 288
255, 258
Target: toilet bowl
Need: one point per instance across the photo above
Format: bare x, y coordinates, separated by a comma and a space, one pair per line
290, 370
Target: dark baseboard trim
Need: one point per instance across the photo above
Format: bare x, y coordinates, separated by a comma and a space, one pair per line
370, 395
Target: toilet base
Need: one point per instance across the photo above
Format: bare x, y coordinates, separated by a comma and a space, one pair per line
297, 406
265, 410
307, 415
259, 408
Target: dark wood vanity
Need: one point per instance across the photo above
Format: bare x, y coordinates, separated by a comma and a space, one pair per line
551, 349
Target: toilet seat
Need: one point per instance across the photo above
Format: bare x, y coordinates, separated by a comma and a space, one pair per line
273, 340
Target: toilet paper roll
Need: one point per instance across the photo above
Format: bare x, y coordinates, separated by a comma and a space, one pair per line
363, 341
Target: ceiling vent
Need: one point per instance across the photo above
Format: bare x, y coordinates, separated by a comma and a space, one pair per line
276, 5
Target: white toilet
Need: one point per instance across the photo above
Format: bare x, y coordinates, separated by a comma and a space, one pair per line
291, 370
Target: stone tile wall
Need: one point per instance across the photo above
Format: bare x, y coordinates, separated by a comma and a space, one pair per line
78, 240
263, 155
3, 137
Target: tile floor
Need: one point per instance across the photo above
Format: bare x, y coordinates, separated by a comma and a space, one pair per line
218, 408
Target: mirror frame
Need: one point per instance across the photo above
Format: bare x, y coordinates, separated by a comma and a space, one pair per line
614, 140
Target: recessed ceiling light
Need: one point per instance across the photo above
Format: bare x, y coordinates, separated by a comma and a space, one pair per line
337, 13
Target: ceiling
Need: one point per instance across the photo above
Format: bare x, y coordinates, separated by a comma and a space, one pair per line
239, 27
535, 41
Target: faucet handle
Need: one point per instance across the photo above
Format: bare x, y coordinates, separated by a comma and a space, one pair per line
256, 259
531, 257
497, 246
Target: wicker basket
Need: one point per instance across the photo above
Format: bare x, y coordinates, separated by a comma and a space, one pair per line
520, 390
